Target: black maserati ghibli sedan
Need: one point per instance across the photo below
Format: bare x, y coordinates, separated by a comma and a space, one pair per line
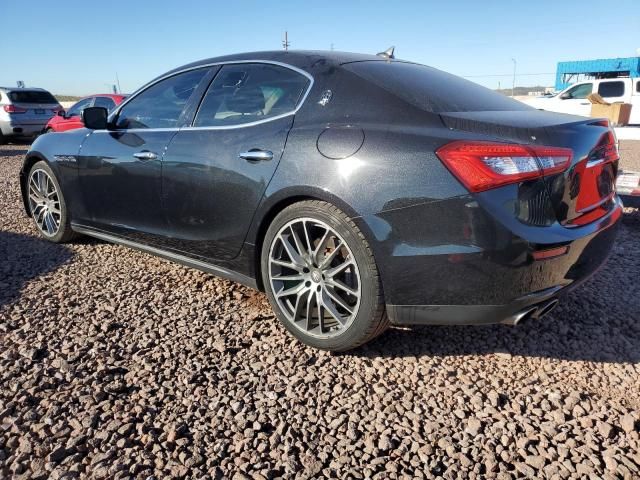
357, 191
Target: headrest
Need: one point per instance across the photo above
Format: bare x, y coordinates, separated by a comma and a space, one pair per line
246, 100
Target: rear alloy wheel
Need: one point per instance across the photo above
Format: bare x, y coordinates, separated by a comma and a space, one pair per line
321, 277
47, 205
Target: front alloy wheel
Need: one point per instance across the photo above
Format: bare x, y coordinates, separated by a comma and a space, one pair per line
321, 278
46, 204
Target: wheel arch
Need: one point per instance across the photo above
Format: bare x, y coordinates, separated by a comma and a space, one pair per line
273, 206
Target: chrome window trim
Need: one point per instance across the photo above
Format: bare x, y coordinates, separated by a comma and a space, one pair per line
217, 127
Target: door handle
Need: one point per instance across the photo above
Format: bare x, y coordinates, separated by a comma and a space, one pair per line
256, 155
145, 155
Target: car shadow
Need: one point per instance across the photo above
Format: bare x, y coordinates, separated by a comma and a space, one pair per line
24, 258
599, 321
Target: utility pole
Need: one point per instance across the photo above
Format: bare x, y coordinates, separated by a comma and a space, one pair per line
118, 82
513, 85
332, 47
285, 42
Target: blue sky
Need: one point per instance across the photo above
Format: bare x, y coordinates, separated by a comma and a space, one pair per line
76, 47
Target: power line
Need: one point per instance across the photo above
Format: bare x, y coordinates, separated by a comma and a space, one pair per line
507, 74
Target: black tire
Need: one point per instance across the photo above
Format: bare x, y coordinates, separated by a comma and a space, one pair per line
371, 319
64, 233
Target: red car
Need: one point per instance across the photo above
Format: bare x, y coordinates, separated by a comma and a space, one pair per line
70, 119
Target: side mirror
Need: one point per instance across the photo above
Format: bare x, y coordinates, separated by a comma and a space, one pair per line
62, 113
95, 118
565, 96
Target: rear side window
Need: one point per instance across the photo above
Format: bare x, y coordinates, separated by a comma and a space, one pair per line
31, 96
104, 102
160, 105
611, 89
245, 93
431, 89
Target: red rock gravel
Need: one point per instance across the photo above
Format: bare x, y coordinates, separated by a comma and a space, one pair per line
116, 364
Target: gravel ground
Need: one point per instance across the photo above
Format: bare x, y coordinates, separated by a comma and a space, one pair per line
630, 154
116, 364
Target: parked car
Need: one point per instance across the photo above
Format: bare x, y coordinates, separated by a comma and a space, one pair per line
71, 119
573, 99
25, 111
356, 190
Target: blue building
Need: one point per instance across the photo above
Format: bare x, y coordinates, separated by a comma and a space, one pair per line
576, 71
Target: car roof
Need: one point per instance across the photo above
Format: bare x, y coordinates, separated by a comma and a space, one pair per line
25, 89
303, 59
110, 95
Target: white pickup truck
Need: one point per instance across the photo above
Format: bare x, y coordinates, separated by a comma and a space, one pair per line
573, 99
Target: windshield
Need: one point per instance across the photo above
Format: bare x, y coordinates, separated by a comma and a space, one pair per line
431, 89
31, 96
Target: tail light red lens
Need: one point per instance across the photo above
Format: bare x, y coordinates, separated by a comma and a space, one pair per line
607, 148
482, 166
14, 109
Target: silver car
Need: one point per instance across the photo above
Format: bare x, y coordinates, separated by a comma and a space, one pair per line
25, 111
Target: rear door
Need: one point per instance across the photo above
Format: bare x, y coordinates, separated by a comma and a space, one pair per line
120, 169
216, 170
635, 102
613, 90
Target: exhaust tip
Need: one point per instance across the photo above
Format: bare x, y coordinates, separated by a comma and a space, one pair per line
518, 318
547, 308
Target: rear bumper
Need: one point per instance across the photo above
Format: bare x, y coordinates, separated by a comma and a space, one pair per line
472, 314
585, 256
21, 129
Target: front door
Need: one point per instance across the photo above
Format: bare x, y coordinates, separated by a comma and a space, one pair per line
72, 118
215, 172
120, 169
574, 101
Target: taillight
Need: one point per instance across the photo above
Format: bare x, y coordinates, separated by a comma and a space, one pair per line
606, 149
485, 165
14, 109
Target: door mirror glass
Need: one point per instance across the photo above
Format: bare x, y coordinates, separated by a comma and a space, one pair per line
95, 118
565, 96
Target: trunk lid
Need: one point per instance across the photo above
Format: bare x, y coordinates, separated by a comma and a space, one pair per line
582, 193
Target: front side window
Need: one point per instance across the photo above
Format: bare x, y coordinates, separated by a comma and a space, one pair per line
77, 108
160, 105
579, 91
104, 102
611, 89
246, 93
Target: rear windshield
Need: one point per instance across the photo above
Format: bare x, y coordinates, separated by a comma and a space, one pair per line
431, 89
31, 96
